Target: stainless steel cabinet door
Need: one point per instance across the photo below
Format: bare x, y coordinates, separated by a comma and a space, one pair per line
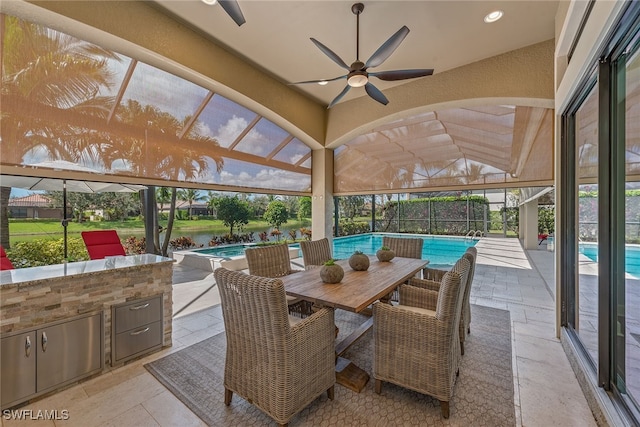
18, 367
67, 351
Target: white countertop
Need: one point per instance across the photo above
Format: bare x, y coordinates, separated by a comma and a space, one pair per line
30, 274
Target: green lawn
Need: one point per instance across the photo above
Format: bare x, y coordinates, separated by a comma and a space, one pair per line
23, 230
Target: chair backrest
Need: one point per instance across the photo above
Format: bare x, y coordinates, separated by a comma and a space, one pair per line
461, 268
269, 261
449, 300
315, 252
102, 243
256, 323
471, 254
404, 246
252, 307
5, 263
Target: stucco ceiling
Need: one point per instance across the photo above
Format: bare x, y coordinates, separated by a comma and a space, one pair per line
443, 35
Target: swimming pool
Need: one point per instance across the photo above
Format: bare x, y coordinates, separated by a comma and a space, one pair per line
441, 251
631, 256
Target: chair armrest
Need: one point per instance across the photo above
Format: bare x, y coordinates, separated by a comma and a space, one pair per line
424, 283
418, 297
316, 330
433, 274
292, 271
405, 326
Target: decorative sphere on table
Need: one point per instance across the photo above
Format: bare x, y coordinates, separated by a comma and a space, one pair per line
359, 261
385, 254
331, 272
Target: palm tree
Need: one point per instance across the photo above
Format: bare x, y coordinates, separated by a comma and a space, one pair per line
210, 200
147, 158
163, 195
42, 67
190, 195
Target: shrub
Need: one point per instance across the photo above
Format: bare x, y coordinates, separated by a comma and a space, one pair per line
232, 238
184, 242
40, 252
133, 245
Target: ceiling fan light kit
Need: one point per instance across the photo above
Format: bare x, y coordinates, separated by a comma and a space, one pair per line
358, 76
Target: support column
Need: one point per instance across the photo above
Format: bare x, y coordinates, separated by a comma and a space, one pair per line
530, 211
521, 222
322, 194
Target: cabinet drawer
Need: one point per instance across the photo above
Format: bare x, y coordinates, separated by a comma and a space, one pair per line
137, 313
135, 341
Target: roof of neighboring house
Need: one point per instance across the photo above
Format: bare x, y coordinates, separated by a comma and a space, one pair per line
33, 200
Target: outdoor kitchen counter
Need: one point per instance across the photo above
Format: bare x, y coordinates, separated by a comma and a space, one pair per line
35, 296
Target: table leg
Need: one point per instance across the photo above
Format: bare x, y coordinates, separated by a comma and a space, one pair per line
350, 375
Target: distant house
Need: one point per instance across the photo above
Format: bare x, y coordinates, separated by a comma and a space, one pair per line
197, 208
33, 206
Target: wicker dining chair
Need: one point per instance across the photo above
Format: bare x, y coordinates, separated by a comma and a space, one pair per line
273, 261
278, 363
432, 279
406, 247
315, 252
417, 347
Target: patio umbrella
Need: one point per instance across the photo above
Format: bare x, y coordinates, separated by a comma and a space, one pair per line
64, 185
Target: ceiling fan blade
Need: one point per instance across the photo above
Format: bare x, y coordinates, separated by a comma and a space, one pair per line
331, 54
339, 97
319, 81
375, 93
387, 48
401, 74
233, 9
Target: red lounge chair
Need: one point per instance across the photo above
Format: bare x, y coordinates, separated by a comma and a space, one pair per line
102, 243
5, 263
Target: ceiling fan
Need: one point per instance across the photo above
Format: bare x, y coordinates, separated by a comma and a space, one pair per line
231, 7
358, 75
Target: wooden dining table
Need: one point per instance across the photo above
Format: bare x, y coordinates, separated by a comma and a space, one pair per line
355, 292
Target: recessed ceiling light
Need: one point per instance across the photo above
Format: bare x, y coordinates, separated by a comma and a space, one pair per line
323, 82
210, 2
492, 17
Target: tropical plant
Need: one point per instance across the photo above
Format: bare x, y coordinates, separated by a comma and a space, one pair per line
148, 158
190, 196
45, 68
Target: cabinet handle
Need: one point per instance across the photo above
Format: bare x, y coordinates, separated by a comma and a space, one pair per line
139, 307
44, 342
141, 331
27, 346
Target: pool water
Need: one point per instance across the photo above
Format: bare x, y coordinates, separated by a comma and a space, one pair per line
631, 258
441, 251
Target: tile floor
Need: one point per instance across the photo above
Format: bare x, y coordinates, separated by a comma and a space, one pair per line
546, 390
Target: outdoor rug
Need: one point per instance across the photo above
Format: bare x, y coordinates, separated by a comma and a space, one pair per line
483, 394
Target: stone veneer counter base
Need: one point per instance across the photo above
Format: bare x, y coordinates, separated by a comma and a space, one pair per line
35, 296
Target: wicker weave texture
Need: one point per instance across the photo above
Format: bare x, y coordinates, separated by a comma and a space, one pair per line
278, 367
419, 349
315, 252
465, 266
404, 247
472, 253
269, 261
